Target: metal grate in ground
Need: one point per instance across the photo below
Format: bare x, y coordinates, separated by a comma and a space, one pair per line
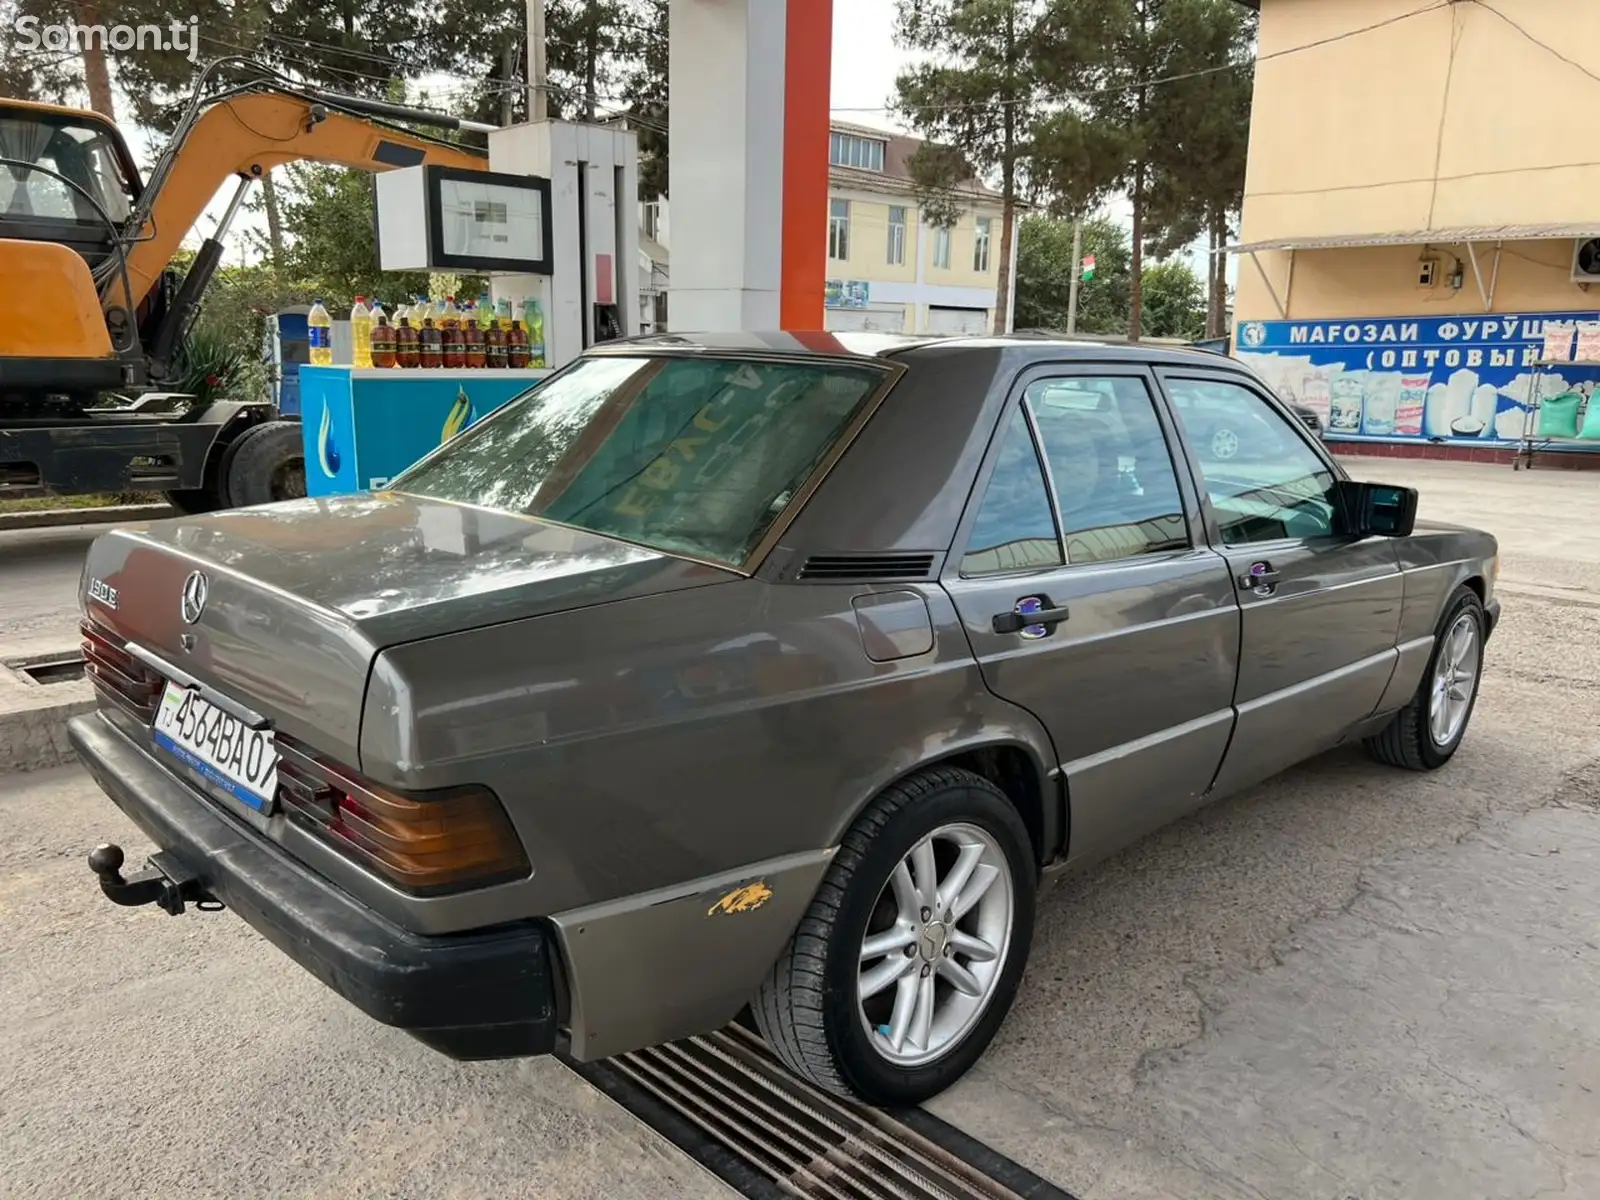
727, 1101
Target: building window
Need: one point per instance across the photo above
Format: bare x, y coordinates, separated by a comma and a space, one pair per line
941, 247
839, 230
847, 150
897, 236
980, 247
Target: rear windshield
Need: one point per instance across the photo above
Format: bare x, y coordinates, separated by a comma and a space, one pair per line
691, 456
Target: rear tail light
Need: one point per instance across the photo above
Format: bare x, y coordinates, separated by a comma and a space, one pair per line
116, 674
444, 841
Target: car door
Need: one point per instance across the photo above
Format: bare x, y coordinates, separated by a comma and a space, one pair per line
1321, 610
1091, 600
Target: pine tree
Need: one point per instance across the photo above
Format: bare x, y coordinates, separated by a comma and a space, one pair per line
977, 105
1116, 95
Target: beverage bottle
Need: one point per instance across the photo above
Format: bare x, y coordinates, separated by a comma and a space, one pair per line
449, 315
402, 310
406, 350
430, 345
360, 333
452, 347
319, 332
485, 311
494, 346
472, 337
502, 315
421, 310
383, 343
517, 345
533, 316
378, 310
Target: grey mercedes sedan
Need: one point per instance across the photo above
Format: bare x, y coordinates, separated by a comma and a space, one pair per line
767, 671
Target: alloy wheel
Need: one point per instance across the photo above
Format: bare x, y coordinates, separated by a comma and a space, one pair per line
935, 948
1455, 680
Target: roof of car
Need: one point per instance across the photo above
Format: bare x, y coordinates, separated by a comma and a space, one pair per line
908, 347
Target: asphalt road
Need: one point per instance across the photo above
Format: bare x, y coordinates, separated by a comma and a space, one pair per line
1349, 983
39, 587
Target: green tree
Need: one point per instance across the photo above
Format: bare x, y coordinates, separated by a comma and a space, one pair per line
1116, 98
328, 217
1198, 167
1045, 269
1174, 301
977, 103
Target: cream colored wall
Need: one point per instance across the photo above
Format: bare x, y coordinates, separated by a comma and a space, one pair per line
869, 239
1381, 131
1382, 281
869, 243
963, 240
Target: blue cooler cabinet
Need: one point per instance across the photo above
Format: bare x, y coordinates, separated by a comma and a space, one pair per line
364, 425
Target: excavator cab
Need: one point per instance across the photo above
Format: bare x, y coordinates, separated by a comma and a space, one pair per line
67, 188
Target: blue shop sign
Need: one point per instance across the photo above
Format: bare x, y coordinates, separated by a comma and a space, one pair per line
1459, 378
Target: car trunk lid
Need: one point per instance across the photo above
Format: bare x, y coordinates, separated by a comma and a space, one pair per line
283, 609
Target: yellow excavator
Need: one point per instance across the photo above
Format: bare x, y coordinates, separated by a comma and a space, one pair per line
93, 319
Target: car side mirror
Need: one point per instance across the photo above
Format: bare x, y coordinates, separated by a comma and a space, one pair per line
1378, 509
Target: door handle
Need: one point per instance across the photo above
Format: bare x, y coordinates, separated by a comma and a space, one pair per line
1030, 613
1260, 579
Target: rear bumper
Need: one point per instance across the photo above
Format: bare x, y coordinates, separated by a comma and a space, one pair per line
470, 996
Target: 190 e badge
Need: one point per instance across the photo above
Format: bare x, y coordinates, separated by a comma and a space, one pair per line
103, 593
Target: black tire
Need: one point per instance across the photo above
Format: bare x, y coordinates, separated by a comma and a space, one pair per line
267, 464
1407, 741
807, 1008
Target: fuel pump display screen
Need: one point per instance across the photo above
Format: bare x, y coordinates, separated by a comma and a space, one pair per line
490, 220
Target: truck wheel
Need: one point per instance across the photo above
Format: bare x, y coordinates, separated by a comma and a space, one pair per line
1426, 733
268, 464
907, 961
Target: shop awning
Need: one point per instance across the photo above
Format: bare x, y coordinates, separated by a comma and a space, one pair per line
1460, 236
1470, 236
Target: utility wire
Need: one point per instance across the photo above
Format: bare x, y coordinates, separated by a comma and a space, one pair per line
1537, 41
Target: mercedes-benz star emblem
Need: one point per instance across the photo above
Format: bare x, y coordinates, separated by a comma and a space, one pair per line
194, 597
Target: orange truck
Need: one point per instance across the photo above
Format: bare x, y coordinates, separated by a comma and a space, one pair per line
93, 317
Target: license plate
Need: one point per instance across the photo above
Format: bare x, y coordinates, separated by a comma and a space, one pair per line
241, 761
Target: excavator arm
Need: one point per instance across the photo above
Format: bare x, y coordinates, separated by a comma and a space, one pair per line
250, 134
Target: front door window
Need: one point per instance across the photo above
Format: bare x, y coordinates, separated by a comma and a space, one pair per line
1264, 482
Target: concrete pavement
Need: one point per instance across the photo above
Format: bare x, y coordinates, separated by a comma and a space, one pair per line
1349, 983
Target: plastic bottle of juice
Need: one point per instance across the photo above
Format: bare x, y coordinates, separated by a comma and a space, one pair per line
502, 314
406, 350
452, 347
360, 333
319, 332
421, 310
383, 343
494, 346
449, 315
486, 317
517, 345
472, 336
430, 344
533, 317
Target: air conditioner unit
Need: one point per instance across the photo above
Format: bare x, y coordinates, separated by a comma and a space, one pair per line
1586, 260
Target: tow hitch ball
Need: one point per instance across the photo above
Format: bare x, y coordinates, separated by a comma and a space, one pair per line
166, 882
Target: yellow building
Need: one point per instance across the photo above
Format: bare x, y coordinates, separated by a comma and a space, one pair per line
888, 269
1422, 200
